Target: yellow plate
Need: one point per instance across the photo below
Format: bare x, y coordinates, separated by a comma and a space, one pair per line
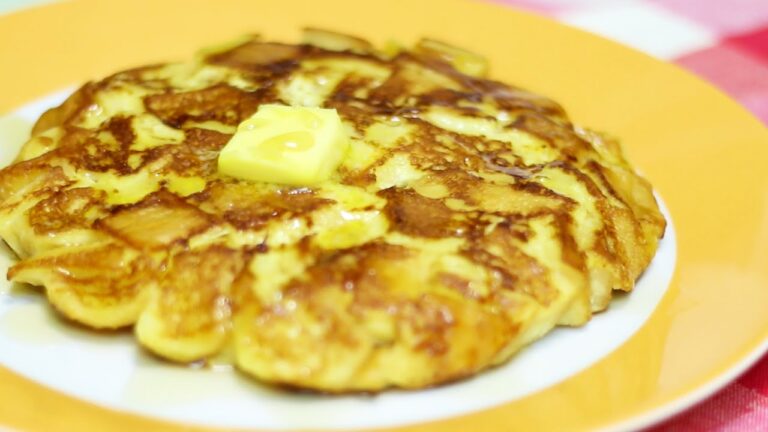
705, 155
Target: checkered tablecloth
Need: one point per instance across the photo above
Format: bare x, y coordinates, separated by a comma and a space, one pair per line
723, 41
726, 43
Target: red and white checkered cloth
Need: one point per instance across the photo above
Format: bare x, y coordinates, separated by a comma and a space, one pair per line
726, 43
723, 41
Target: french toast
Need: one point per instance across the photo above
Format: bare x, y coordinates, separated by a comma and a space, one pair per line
465, 220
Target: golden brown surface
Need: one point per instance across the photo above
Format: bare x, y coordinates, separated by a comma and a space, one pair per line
465, 207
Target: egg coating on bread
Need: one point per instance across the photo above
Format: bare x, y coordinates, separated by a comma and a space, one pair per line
464, 219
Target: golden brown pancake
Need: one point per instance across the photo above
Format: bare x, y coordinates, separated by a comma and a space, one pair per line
467, 219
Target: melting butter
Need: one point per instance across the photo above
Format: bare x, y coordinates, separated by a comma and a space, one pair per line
286, 145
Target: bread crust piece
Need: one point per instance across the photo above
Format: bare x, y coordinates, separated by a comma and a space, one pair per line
464, 207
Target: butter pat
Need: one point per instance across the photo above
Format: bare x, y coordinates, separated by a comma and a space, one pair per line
286, 145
